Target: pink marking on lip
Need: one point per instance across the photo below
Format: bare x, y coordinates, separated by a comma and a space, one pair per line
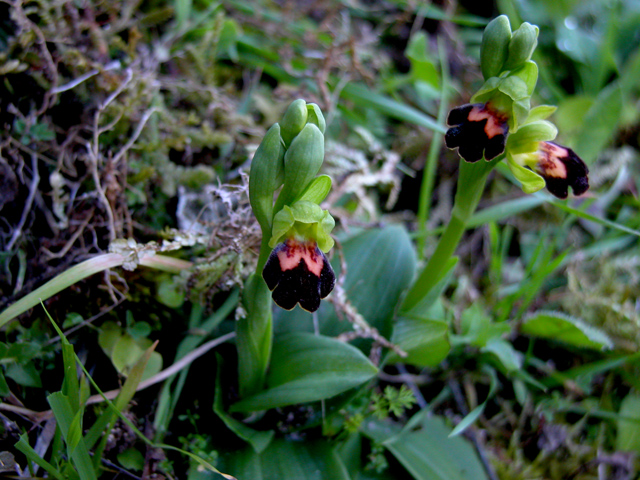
550, 164
494, 125
295, 251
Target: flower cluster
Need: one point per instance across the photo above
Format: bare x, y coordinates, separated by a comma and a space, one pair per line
500, 118
295, 230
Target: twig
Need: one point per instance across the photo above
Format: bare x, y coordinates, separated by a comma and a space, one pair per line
33, 188
111, 394
82, 78
136, 134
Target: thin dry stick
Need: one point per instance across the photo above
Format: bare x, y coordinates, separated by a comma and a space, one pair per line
33, 189
111, 394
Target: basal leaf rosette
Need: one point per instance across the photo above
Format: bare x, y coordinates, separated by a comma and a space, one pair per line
298, 270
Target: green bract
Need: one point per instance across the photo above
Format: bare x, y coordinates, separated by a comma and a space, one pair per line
304, 221
495, 46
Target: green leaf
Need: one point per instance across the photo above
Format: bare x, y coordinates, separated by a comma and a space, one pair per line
24, 374
425, 449
131, 459
508, 357
23, 446
257, 439
425, 340
306, 368
71, 430
364, 97
563, 328
422, 67
284, 460
468, 420
628, 437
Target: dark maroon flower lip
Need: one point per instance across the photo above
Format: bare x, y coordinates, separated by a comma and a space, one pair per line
477, 131
561, 168
298, 272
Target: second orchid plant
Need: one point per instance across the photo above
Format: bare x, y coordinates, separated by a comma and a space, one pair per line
499, 123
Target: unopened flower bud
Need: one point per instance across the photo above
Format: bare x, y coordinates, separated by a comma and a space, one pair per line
495, 46
294, 120
523, 43
266, 176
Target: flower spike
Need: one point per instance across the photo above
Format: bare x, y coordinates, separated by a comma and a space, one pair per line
477, 130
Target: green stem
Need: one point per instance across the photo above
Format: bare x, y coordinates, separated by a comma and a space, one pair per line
254, 334
471, 181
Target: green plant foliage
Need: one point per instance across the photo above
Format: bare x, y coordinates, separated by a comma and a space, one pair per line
308, 368
303, 461
425, 449
563, 328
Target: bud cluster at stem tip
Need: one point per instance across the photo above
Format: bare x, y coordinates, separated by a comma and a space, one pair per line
295, 226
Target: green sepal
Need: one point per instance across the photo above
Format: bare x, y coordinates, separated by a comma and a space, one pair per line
541, 112
317, 190
294, 120
528, 136
523, 43
304, 221
266, 176
302, 161
487, 90
495, 46
316, 117
530, 180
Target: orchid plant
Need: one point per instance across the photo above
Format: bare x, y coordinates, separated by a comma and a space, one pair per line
292, 266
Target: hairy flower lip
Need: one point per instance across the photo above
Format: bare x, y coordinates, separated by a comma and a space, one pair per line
477, 130
561, 168
298, 272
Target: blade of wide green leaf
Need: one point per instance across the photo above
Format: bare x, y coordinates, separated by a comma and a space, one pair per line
425, 340
628, 435
285, 460
257, 439
306, 368
70, 429
427, 451
380, 266
564, 328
